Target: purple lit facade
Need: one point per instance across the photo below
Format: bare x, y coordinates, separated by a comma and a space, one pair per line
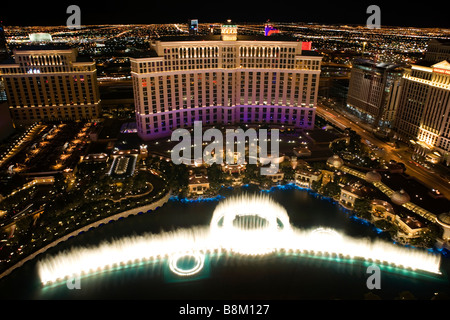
269, 30
224, 83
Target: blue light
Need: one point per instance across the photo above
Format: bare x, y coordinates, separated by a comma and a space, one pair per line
197, 200
366, 223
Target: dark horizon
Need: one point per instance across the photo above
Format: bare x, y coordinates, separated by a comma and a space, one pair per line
339, 13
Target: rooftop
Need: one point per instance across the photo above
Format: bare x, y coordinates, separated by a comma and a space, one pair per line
218, 37
357, 189
198, 179
413, 222
377, 65
44, 47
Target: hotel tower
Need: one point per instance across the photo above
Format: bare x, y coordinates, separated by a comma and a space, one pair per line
224, 79
45, 84
423, 117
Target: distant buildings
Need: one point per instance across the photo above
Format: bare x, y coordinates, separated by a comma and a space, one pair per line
305, 178
3, 45
198, 184
6, 125
226, 79
412, 102
374, 91
349, 194
437, 51
193, 27
45, 83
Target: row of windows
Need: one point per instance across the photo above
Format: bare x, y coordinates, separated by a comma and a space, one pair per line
236, 56
39, 60
31, 69
51, 90
174, 92
444, 143
215, 51
228, 62
35, 114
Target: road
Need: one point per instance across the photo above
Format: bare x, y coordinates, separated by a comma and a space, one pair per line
427, 177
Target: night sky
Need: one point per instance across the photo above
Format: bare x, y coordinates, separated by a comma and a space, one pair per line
404, 13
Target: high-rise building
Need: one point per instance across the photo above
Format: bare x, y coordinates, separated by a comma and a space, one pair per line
374, 92
46, 83
424, 110
3, 44
437, 51
6, 124
225, 79
4, 54
193, 26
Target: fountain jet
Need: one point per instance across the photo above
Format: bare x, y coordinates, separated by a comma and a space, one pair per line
244, 225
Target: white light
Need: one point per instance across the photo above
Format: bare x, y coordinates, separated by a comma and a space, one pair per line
246, 225
199, 262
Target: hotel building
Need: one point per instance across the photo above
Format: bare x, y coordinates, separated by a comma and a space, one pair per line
437, 51
3, 44
224, 79
424, 110
374, 92
48, 83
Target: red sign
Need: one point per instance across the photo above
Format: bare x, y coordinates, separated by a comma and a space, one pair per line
443, 71
306, 46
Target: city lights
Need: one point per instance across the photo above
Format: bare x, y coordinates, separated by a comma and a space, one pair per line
143, 147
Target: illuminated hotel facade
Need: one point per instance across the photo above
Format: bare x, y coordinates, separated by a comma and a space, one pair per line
45, 84
226, 80
423, 117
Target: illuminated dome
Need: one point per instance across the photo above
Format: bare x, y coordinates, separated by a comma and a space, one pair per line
400, 197
444, 220
373, 176
335, 161
40, 37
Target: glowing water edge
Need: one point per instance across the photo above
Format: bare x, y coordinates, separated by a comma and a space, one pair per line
244, 225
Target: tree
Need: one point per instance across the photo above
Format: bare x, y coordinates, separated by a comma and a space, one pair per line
362, 208
319, 166
331, 189
338, 146
216, 175
288, 171
315, 185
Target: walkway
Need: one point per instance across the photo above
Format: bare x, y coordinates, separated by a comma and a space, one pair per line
389, 192
93, 225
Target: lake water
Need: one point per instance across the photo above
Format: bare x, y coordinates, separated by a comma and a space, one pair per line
228, 277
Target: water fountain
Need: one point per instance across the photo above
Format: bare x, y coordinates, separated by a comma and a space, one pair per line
245, 226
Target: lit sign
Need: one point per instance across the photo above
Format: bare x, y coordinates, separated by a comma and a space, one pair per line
269, 30
193, 25
443, 71
307, 45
